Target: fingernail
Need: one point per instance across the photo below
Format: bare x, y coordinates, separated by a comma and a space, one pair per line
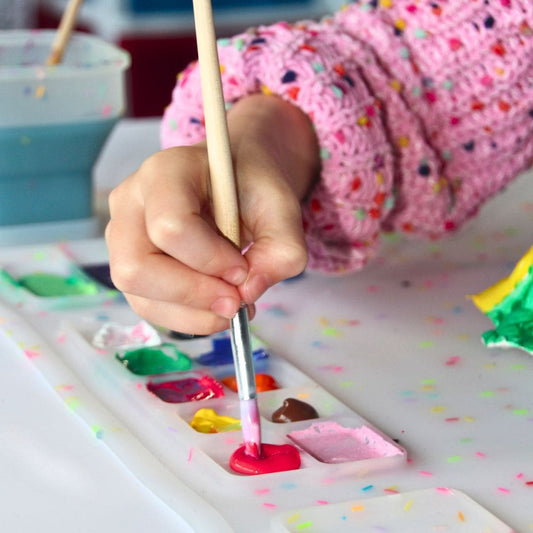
225, 307
235, 276
255, 286
251, 311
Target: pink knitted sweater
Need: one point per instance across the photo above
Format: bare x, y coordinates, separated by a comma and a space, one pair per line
423, 110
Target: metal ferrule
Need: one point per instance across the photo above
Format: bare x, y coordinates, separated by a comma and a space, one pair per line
242, 355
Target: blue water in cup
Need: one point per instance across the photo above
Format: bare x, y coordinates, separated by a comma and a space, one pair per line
54, 121
46, 173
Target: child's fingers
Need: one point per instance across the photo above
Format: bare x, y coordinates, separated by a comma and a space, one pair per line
161, 278
138, 267
180, 318
177, 317
175, 210
279, 250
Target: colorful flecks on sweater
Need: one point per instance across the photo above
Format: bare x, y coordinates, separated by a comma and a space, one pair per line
509, 304
423, 110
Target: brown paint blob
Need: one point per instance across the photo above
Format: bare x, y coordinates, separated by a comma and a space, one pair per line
293, 410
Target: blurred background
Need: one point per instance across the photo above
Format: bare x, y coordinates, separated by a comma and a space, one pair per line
158, 34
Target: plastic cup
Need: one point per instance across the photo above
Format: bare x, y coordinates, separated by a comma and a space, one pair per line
54, 121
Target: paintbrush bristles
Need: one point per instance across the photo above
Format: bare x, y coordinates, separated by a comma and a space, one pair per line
223, 187
64, 31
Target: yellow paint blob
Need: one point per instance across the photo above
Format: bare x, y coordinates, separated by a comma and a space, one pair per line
208, 421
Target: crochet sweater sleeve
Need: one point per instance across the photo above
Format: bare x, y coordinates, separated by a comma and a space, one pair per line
390, 158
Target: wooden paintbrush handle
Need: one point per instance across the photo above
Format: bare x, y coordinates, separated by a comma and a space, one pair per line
223, 187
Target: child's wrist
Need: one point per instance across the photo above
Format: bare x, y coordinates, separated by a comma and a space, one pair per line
283, 130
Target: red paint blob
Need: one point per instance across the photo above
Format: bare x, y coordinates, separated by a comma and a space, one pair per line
263, 382
274, 458
190, 389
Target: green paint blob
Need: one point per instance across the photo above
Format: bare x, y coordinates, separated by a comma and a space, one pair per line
6, 276
155, 360
50, 285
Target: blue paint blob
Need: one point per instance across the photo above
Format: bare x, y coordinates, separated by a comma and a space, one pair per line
223, 355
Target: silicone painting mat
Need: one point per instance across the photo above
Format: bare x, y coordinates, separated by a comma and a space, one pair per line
423, 511
435, 398
121, 412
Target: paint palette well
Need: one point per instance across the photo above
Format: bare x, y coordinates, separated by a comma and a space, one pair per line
47, 278
179, 395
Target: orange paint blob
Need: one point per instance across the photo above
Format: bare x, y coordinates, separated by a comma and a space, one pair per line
263, 382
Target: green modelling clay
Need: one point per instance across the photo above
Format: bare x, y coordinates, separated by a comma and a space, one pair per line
513, 317
50, 285
155, 360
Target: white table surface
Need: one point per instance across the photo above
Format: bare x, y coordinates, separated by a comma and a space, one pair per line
54, 477
399, 343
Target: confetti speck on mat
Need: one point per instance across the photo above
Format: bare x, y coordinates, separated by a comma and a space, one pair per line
346, 383
332, 332
453, 360
98, 431
30, 354
319, 344
288, 485
332, 368
274, 309
426, 344
454, 459
64, 387
72, 402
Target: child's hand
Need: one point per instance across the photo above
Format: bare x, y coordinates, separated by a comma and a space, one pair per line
166, 255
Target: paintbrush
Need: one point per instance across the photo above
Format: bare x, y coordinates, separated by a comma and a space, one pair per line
64, 31
226, 211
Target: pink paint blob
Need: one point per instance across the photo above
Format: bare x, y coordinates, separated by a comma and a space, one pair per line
273, 458
329, 442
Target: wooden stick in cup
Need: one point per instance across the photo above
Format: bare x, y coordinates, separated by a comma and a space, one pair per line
63, 32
